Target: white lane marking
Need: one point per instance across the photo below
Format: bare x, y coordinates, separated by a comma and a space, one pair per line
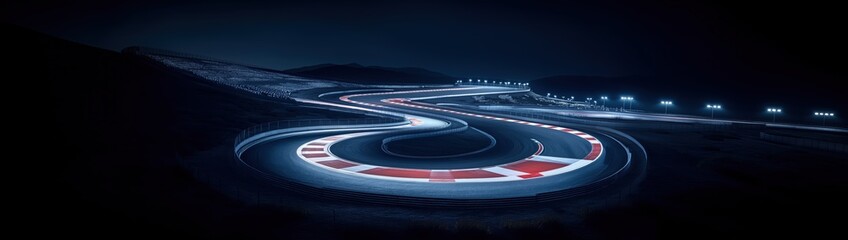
311, 152
553, 159
359, 168
504, 171
569, 168
319, 159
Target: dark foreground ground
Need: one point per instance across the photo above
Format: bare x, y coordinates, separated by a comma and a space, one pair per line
108, 131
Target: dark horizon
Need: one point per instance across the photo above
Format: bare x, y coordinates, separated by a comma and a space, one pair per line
746, 56
505, 41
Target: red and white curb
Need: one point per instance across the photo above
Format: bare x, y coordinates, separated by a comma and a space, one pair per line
317, 152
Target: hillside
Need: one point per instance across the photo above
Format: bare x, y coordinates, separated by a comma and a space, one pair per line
355, 73
109, 130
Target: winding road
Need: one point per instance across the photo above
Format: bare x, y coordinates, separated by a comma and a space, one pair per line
524, 157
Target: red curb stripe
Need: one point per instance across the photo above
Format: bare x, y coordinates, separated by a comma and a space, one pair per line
397, 172
532, 175
338, 164
531, 166
441, 176
474, 173
315, 155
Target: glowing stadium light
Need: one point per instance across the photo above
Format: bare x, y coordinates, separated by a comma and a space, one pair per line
666, 103
824, 116
624, 100
774, 112
712, 109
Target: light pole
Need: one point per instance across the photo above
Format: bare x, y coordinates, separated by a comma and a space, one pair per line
604, 98
665, 103
824, 116
774, 112
624, 100
712, 109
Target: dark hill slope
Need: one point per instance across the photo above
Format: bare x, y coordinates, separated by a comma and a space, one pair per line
105, 131
356, 73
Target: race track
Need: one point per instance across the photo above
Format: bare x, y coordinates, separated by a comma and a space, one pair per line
524, 157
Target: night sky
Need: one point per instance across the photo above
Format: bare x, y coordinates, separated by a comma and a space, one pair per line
508, 41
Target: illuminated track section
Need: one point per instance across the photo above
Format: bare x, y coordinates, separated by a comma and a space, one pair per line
318, 152
530, 160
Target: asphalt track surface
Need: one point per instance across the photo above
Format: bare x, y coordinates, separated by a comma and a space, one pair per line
528, 158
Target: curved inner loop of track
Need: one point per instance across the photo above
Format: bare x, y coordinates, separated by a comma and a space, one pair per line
566, 151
